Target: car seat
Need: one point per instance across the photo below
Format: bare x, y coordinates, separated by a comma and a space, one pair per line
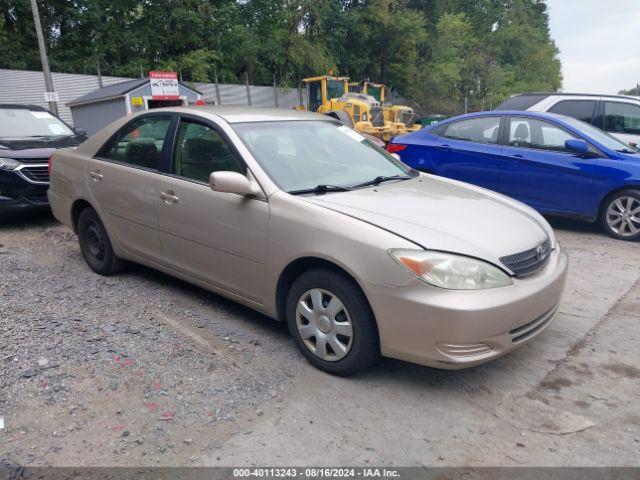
521, 136
142, 152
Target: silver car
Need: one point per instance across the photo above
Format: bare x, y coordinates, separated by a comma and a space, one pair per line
300, 217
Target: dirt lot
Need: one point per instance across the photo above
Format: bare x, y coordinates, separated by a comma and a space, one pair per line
142, 369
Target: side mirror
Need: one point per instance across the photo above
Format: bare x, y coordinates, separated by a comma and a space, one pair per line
233, 182
577, 146
80, 131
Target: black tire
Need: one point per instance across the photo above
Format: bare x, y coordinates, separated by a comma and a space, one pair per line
95, 244
620, 224
364, 348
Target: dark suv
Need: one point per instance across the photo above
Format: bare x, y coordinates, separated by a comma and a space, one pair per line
28, 136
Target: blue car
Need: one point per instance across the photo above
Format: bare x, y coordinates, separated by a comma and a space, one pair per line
556, 164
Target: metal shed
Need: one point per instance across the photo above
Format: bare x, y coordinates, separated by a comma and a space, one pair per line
102, 106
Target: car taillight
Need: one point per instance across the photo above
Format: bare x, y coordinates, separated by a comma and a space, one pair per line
49, 164
395, 147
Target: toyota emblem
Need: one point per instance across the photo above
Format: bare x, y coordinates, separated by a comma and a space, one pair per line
541, 252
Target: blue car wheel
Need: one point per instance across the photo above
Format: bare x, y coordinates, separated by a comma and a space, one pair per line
620, 215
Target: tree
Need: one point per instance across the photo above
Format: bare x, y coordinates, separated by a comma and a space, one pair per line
435, 52
635, 91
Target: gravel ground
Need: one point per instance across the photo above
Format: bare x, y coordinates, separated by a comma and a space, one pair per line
121, 370
143, 369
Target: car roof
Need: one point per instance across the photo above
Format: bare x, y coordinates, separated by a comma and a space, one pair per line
237, 114
525, 113
522, 101
577, 94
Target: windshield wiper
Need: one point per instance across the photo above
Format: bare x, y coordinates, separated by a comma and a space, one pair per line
626, 150
380, 179
319, 189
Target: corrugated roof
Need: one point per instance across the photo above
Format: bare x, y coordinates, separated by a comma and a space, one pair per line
115, 90
27, 87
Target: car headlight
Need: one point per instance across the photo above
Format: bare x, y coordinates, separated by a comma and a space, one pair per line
447, 270
8, 164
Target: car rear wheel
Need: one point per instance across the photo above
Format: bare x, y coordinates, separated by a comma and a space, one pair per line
332, 323
620, 215
95, 244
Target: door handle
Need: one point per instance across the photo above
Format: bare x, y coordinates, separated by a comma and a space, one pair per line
517, 157
96, 176
443, 147
169, 197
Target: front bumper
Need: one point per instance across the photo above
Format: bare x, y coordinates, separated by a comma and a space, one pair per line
17, 193
454, 329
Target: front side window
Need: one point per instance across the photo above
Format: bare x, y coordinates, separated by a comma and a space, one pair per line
19, 123
200, 151
139, 143
621, 118
580, 109
538, 134
482, 130
300, 155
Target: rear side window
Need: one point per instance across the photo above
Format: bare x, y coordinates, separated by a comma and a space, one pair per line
538, 134
481, 129
200, 151
139, 143
580, 109
621, 117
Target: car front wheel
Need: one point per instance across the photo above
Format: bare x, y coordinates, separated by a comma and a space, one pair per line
95, 244
332, 323
620, 215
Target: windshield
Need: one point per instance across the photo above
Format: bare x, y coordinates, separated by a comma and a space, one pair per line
24, 123
599, 136
300, 155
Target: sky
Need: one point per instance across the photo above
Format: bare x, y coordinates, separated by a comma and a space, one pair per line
599, 42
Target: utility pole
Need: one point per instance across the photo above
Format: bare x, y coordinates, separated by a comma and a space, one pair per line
275, 91
53, 106
100, 84
219, 102
246, 78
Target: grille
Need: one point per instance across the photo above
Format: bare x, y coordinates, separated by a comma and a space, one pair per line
530, 261
377, 117
528, 330
39, 174
33, 160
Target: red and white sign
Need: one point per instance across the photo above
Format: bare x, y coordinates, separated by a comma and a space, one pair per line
164, 85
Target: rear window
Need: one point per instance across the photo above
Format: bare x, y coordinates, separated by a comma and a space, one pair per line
520, 102
480, 129
580, 109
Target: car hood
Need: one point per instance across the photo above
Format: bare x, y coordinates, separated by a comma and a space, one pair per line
446, 215
36, 148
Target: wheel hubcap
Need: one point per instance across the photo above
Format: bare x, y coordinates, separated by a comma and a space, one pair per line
95, 242
324, 324
623, 216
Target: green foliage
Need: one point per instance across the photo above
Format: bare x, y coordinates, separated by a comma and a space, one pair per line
434, 52
635, 91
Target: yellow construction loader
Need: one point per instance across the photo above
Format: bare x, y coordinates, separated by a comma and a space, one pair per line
399, 118
330, 95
